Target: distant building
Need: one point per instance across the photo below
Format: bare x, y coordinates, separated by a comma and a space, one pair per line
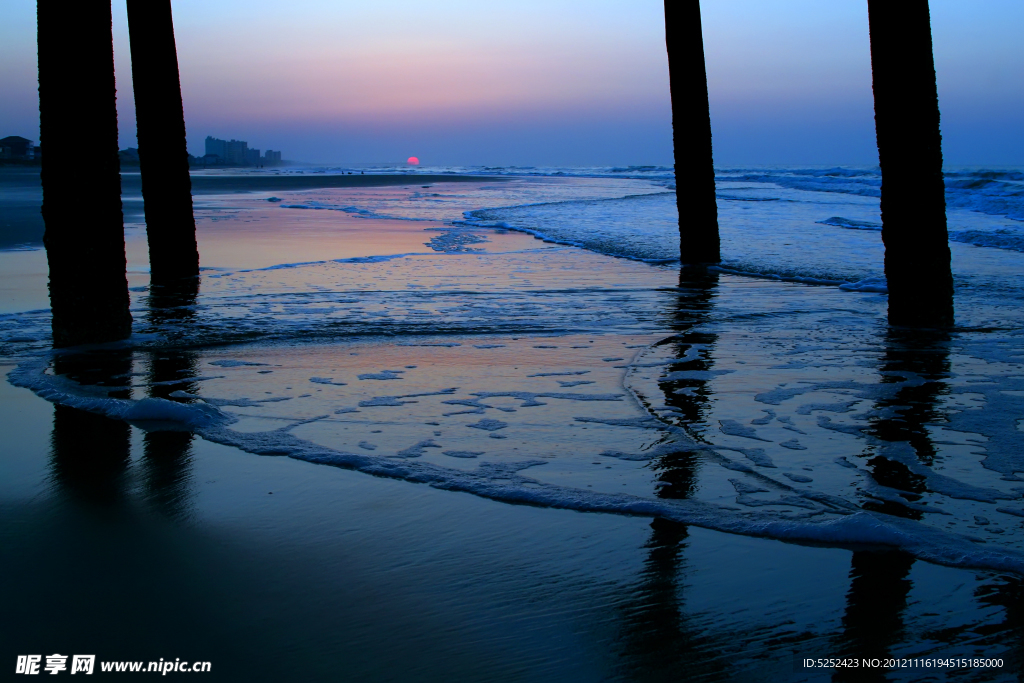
215, 147
129, 156
235, 153
17, 147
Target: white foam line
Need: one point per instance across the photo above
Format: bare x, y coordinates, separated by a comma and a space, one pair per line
782, 278
502, 225
354, 259
503, 483
504, 486
355, 211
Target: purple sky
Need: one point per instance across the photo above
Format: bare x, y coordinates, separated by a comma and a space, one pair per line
558, 82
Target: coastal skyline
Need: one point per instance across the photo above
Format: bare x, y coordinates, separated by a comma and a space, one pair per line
532, 83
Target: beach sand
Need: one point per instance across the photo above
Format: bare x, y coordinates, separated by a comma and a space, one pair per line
273, 569
424, 450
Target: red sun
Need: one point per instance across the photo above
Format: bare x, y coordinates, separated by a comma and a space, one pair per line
413, 161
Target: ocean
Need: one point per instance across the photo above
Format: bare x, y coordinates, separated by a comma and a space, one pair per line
490, 401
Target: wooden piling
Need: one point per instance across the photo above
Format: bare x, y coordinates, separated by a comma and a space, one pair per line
163, 157
917, 258
81, 178
691, 134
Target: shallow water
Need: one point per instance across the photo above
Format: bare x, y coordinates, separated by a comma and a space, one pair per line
184, 548
408, 333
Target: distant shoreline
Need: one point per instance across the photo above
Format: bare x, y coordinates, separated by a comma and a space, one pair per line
21, 194
216, 184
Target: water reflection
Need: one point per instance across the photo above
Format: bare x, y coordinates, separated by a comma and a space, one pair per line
1006, 593
919, 361
662, 641
167, 455
677, 471
90, 455
173, 303
873, 623
166, 474
658, 642
664, 633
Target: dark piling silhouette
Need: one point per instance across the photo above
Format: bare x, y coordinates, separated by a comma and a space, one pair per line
678, 471
89, 458
91, 454
873, 623
662, 640
906, 415
167, 455
691, 134
917, 261
84, 235
163, 158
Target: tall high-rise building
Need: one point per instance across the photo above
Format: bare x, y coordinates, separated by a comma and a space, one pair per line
215, 147
236, 151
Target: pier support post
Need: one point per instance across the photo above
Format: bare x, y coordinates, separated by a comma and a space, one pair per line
917, 259
81, 177
691, 134
163, 157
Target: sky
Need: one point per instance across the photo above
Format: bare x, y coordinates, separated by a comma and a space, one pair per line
547, 82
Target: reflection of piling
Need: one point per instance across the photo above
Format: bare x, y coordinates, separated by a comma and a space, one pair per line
691, 133
905, 416
163, 159
692, 308
167, 455
659, 642
678, 470
81, 194
91, 454
917, 261
1007, 593
90, 457
873, 621
172, 305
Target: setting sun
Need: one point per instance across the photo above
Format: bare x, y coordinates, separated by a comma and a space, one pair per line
413, 161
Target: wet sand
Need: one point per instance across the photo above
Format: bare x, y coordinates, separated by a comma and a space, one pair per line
274, 569
219, 182
21, 193
490, 363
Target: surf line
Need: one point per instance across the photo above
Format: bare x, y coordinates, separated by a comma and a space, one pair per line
503, 482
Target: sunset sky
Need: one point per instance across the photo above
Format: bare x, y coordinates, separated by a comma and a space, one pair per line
547, 81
